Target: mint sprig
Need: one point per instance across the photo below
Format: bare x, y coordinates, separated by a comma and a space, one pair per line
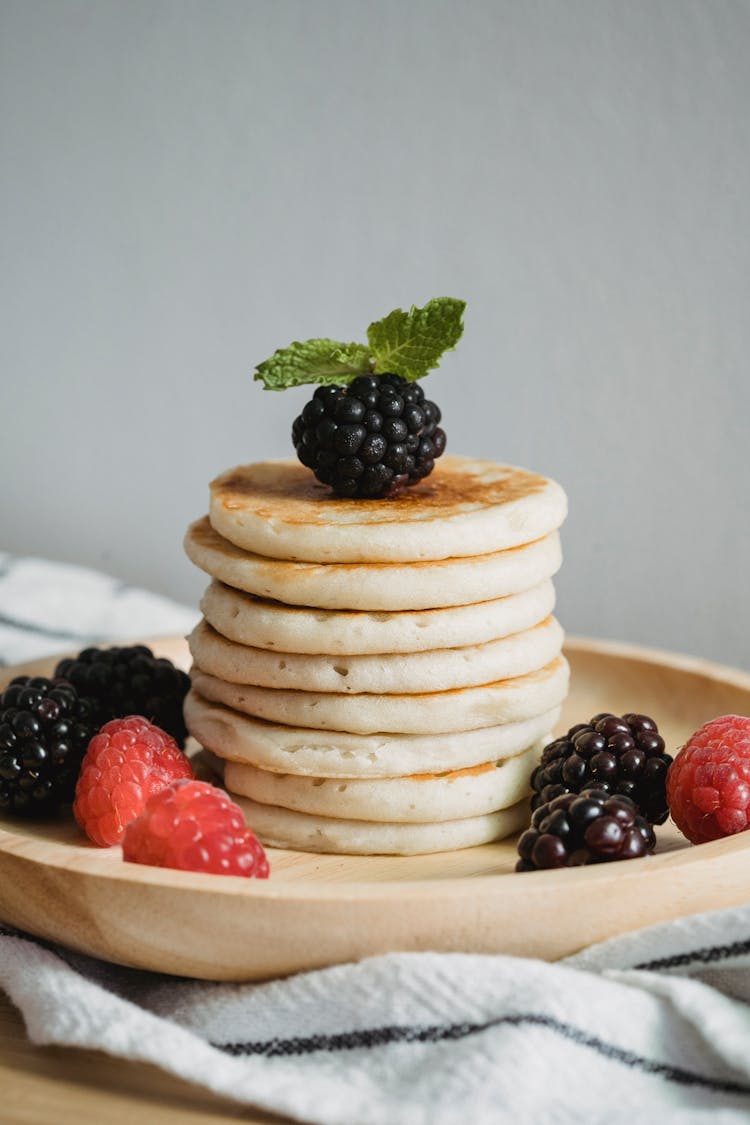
313, 361
406, 344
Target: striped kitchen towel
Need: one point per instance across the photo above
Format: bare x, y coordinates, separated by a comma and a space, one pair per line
650, 1027
48, 607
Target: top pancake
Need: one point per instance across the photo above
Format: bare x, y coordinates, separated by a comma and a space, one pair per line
278, 509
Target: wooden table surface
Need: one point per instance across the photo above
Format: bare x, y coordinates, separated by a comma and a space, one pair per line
68, 1086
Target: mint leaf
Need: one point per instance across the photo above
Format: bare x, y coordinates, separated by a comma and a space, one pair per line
313, 361
410, 344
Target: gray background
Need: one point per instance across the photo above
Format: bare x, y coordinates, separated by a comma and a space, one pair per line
185, 186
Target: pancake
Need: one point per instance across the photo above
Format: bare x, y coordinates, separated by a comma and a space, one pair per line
410, 673
319, 753
465, 507
282, 828
416, 799
375, 586
505, 701
254, 621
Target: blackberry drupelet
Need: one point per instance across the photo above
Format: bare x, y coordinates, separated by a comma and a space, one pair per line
622, 756
130, 681
371, 438
45, 728
582, 828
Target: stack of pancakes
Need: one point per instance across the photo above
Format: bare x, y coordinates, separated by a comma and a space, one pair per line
378, 676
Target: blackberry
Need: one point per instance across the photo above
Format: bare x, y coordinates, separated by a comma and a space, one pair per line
620, 755
130, 681
45, 728
581, 828
371, 438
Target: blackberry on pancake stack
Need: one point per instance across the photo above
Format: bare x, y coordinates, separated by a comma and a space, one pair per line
378, 676
377, 669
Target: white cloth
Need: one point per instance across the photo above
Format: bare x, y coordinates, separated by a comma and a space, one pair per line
652, 1026
434, 1039
49, 607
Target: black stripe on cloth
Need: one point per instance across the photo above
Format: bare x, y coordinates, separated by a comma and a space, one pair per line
42, 631
382, 1036
708, 956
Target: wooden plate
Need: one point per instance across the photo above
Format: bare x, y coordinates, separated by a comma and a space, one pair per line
323, 910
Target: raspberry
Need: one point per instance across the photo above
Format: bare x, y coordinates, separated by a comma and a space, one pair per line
126, 763
582, 828
194, 826
708, 784
130, 681
371, 438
